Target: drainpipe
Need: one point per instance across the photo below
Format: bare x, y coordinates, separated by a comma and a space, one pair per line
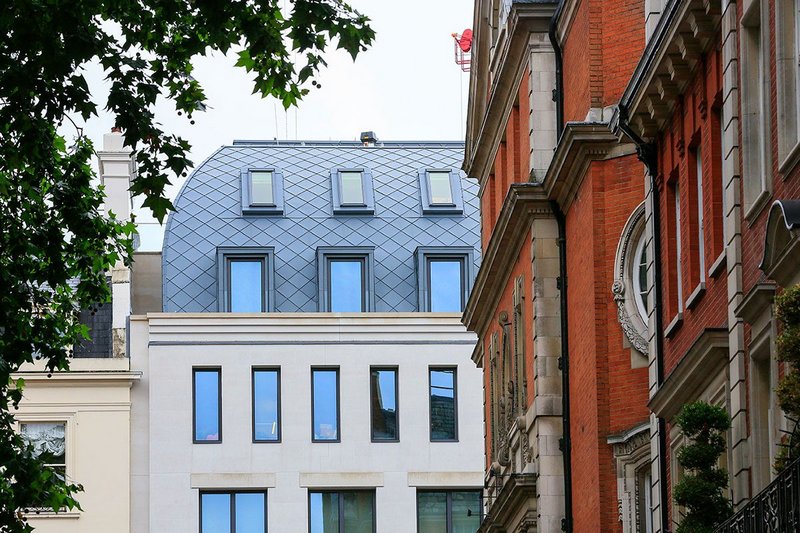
558, 92
647, 154
563, 363
566, 442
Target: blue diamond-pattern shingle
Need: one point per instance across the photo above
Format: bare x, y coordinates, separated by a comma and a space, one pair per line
208, 215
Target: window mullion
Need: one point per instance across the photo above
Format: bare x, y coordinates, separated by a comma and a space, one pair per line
449, 511
341, 512
233, 512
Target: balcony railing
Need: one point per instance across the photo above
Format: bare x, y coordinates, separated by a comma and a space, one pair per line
776, 509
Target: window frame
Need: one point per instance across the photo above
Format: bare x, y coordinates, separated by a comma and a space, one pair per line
428, 207
325, 254
196, 369
337, 370
424, 254
232, 493
253, 371
246, 189
449, 504
228, 254
432, 368
396, 370
368, 207
340, 492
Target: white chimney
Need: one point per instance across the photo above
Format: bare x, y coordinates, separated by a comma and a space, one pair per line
117, 169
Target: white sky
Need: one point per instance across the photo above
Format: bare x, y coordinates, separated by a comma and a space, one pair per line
405, 86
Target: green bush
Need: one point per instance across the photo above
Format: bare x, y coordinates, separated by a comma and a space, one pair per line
701, 490
787, 311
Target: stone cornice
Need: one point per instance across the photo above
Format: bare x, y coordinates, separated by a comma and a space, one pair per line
524, 19
515, 502
524, 202
580, 144
683, 34
755, 302
703, 362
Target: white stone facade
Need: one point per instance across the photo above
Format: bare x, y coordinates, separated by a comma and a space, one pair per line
169, 471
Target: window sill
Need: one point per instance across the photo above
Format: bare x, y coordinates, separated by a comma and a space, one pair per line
262, 211
353, 211
696, 296
758, 205
674, 325
443, 210
790, 161
716, 266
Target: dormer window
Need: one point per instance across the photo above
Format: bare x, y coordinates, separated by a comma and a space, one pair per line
441, 192
262, 191
352, 191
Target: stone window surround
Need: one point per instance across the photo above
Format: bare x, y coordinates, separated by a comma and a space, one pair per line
277, 192
265, 253
428, 208
628, 314
632, 454
787, 45
70, 457
755, 119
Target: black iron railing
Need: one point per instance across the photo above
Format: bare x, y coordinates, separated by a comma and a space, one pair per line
776, 509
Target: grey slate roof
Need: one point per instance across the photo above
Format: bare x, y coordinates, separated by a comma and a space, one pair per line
208, 215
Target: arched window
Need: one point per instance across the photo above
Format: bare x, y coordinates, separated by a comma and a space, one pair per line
631, 281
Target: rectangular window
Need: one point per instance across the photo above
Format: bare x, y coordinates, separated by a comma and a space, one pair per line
266, 405
261, 192
701, 239
448, 511
352, 188
233, 512
341, 512
49, 442
441, 192
678, 252
245, 279
445, 285
325, 404
443, 277
352, 191
207, 405
439, 183
383, 404
346, 278
443, 404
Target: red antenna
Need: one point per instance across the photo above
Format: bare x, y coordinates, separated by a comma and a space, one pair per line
462, 47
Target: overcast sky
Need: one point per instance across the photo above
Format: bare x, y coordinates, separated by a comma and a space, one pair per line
405, 86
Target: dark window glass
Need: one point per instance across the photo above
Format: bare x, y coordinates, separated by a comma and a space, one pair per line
246, 285
261, 188
439, 183
443, 404
445, 285
448, 512
266, 405
346, 278
342, 512
207, 408
383, 388
352, 188
325, 394
233, 512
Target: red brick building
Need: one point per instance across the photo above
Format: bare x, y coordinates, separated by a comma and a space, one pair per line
613, 292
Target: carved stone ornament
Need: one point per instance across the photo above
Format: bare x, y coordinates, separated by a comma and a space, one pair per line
630, 319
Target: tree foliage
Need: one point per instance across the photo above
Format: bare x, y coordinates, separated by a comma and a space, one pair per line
701, 488
787, 311
52, 227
